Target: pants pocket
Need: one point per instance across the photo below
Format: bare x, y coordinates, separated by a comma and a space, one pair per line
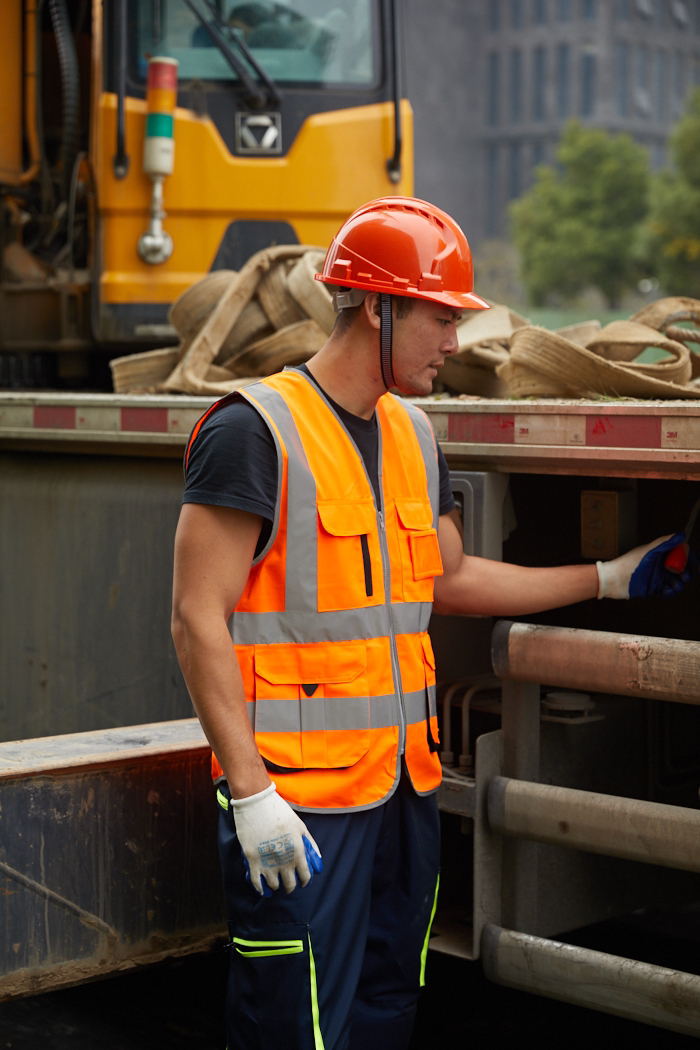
272, 998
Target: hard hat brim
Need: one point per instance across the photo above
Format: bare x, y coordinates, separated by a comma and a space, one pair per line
456, 300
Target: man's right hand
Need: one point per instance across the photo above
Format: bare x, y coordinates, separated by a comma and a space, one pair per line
275, 842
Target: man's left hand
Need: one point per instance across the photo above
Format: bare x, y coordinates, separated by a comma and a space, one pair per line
642, 572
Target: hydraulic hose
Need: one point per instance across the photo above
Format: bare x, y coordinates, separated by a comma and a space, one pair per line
70, 90
120, 161
31, 73
393, 165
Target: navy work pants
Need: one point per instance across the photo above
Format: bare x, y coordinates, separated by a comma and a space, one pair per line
337, 964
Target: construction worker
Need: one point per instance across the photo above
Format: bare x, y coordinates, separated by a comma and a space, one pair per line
317, 511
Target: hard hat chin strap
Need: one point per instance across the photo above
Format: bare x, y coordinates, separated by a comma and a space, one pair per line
385, 341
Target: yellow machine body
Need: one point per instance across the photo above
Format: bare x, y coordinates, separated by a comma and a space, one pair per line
75, 196
321, 180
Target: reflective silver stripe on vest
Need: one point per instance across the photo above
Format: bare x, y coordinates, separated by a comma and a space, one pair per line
432, 700
250, 395
301, 583
300, 622
340, 626
426, 440
334, 714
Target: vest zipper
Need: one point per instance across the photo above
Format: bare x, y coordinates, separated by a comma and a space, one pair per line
383, 546
396, 669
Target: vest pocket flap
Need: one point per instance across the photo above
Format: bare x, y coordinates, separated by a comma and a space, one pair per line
347, 517
425, 554
414, 514
297, 664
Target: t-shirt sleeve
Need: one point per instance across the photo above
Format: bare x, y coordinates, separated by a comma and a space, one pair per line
447, 500
233, 462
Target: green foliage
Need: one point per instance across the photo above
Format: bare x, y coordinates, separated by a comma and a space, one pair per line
685, 142
672, 243
577, 227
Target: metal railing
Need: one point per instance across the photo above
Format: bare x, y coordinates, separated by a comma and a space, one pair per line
513, 812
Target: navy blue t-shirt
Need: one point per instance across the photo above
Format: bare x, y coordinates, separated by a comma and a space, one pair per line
233, 462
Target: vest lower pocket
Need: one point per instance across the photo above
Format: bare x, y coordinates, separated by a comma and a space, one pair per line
272, 996
312, 704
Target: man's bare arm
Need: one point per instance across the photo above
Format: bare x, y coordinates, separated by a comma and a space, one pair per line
480, 587
214, 549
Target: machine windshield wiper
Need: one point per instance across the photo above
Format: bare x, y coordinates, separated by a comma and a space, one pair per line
258, 95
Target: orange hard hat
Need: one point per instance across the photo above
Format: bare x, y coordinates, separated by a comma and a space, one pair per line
403, 246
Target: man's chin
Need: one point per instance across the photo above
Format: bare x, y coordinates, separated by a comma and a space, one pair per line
415, 388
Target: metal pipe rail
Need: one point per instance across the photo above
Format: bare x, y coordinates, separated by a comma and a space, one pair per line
598, 661
630, 828
627, 988
513, 812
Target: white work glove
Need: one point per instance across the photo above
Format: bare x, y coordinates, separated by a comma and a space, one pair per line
276, 843
642, 572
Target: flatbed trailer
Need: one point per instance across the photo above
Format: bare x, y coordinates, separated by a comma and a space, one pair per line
585, 714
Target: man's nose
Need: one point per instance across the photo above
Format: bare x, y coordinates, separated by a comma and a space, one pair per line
451, 342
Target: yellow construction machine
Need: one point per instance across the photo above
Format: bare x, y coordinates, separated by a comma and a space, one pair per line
144, 143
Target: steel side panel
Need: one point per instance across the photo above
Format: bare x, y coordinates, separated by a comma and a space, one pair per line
106, 868
86, 545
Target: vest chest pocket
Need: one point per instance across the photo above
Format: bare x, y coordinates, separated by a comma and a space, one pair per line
349, 558
312, 706
419, 547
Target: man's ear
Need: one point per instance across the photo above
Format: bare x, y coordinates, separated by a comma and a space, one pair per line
372, 309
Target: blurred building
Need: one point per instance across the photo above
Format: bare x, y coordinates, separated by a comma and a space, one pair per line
508, 74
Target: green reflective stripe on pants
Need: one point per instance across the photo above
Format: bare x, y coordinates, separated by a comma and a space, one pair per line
221, 799
258, 949
265, 949
318, 1038
424, 953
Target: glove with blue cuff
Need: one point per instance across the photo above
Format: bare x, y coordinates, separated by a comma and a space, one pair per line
276, 843
642, 572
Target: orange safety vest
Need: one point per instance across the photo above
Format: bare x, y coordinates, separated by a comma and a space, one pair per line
331, 629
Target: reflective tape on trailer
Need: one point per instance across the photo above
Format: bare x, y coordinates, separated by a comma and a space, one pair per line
101, 418
632, 438
638, 437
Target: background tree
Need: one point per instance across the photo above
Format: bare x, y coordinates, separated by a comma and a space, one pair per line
578, 226
673, 231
